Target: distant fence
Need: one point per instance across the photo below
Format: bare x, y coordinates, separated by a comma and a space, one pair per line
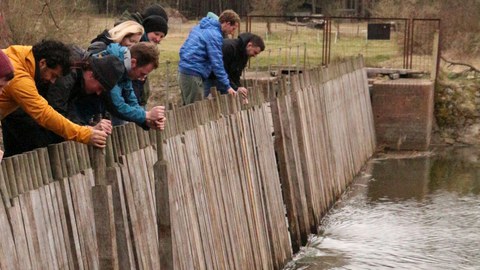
213, 196
383, 42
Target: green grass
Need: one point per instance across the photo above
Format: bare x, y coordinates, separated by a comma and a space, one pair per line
286, 45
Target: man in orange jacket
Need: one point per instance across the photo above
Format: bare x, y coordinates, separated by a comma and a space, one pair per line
43, 64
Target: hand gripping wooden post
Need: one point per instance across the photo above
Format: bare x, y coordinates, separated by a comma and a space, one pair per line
102, 199
163, 207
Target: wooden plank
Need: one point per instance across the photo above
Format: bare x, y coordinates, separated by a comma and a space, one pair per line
19, 234
185, 201
85, 205
4, 178
220, 200
178, 211
20, 179
135, 218
251, 163
71, 224
297, 107
126, 258
198, 199
102, 200
163, 215
55, 162
12, 167
78, 202
30, 163
62, 243
288, 193
44, 226
99, 166
146, 201
8, 254
31, 233
269, 182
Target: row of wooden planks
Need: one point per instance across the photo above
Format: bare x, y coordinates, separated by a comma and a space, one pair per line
243, 184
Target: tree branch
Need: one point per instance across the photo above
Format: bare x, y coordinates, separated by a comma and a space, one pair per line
451, 63
51, 15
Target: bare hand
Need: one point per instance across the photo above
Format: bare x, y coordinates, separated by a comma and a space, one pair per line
158, 124
232, 92
98, 138
156, 113
243, 91
105, 125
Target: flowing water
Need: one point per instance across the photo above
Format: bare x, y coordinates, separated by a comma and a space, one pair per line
404, 213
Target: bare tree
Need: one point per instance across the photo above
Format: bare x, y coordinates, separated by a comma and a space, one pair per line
42, 19
459, 20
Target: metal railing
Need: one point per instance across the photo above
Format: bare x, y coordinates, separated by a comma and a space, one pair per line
407, 44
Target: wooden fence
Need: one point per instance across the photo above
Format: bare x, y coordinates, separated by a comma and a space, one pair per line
225, 186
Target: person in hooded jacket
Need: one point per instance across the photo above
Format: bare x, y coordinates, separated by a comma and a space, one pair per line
154, 20
202, 54
236, 53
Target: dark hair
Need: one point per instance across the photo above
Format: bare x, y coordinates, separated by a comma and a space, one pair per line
55, 54
9, 76
257, 41
145, 53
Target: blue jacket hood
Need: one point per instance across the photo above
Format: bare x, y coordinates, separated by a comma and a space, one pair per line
209, 23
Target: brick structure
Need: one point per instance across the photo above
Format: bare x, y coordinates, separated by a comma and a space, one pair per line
403, 113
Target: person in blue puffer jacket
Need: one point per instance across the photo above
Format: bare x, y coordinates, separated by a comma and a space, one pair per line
121, 102
201, 54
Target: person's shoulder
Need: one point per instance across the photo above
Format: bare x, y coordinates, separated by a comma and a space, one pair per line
68, 81
129, 16
209, 23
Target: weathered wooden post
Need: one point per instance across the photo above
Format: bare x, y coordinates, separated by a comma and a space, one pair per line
102, 198
162, 200
163, 207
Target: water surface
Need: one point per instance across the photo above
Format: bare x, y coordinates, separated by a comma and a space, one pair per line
404, 213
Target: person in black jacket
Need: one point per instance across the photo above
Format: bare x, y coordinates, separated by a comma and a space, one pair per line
236, 53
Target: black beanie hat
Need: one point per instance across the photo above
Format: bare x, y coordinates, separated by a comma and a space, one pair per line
155, 9
155, 23
108, 70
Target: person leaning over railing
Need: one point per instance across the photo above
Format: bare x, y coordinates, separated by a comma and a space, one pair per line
121, 101
154, 20
42, 64
201, 54
236, 53
88, 78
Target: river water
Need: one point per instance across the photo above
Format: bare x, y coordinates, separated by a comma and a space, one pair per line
404, 213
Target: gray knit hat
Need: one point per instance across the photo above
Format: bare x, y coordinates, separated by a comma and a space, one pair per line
108, 70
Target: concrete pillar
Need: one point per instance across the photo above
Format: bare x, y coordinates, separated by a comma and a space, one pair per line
403, 113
